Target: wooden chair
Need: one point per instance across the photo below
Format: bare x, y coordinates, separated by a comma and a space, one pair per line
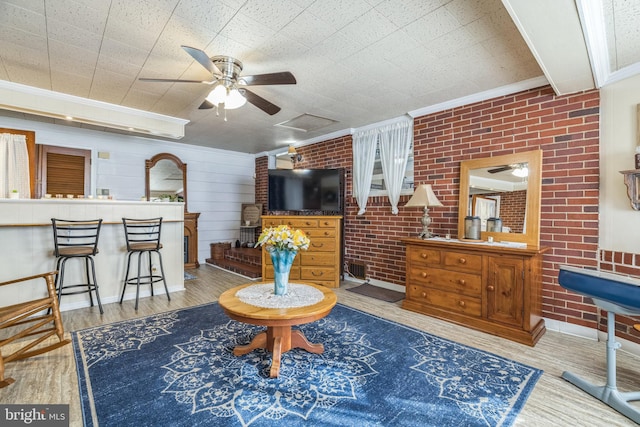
34, 320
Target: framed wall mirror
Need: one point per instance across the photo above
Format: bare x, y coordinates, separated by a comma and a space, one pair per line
508, 187
166, 179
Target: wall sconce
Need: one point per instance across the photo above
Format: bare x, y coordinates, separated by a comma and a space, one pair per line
425, 197
295, 157
632, 181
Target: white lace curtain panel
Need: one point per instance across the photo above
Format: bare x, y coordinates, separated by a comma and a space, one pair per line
14, 165
395, 142
364, 155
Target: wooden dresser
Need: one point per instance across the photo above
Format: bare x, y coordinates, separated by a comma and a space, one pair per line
491, 288
321, 262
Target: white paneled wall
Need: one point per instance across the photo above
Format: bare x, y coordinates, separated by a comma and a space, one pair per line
218, 181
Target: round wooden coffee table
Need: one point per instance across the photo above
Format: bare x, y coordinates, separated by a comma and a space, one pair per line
278, 338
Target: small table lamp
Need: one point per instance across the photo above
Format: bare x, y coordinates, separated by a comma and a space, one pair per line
425, 197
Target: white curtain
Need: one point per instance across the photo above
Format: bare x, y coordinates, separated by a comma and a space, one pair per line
364, 154
14, 165
395, 142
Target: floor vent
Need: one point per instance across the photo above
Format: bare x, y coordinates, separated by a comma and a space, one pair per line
358, 269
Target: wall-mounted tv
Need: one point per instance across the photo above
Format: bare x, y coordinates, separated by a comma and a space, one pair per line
305, 189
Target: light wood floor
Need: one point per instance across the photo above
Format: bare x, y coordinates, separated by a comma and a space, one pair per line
51, 378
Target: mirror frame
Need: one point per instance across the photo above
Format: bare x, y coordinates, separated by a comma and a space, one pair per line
148, 164
534, 160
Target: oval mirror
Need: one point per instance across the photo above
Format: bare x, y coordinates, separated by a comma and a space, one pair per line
507, 190
166, 179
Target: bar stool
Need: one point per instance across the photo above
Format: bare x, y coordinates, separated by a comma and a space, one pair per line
79, 240
143, 236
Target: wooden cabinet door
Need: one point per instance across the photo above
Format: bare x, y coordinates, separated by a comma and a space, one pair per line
505, 290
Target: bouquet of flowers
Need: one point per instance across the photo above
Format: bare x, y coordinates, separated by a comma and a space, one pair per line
283, 237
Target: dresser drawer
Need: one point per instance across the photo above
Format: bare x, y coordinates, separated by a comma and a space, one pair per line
317, 258
423, 256
463, 261
303, 223
320, 232
291, 222
269, 273
322, 244
446, 280
449, 301
317, 273
327, 223
296, 260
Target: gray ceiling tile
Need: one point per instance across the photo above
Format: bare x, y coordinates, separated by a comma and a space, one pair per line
338, 13
410, 11
356, 61
274, 15
26, 19
245, 30
432, 26
214, 14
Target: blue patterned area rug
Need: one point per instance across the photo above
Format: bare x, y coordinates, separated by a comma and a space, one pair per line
177, 369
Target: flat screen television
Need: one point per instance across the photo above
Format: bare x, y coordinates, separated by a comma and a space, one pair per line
305, 189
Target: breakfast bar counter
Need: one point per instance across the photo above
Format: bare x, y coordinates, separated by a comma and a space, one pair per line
26, 244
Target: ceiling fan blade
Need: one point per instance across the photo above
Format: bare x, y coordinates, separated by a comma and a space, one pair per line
203, 59
206, 105
259, 102
145, 79
500, 169
282, 78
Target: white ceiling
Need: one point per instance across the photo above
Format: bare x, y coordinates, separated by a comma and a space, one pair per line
358, 62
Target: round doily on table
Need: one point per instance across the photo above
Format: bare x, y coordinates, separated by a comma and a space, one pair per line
262, 295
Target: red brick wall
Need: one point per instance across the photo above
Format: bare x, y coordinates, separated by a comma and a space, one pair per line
626, 264
513, 208
565, 128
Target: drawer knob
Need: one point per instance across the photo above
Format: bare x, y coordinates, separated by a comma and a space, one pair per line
423, 294
490, 288
326, 233
462, 282
423, 255
461, 303
423, 274
462, 260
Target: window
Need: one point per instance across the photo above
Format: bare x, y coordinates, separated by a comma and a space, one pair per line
378, 187
63, 170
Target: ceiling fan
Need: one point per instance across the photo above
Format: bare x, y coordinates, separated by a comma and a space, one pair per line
519, 169
229, 87
504, 168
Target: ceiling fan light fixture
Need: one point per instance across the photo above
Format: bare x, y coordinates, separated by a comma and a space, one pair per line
521, 171
218, 95
234, 100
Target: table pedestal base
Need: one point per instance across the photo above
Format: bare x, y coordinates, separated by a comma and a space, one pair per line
278, 340
609, 393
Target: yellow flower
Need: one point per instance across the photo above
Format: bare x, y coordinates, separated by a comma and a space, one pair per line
284, 238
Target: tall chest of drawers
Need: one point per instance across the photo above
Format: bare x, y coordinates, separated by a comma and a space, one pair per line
321, 262
491, 288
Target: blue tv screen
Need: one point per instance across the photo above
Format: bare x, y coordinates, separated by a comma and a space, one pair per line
305, 189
